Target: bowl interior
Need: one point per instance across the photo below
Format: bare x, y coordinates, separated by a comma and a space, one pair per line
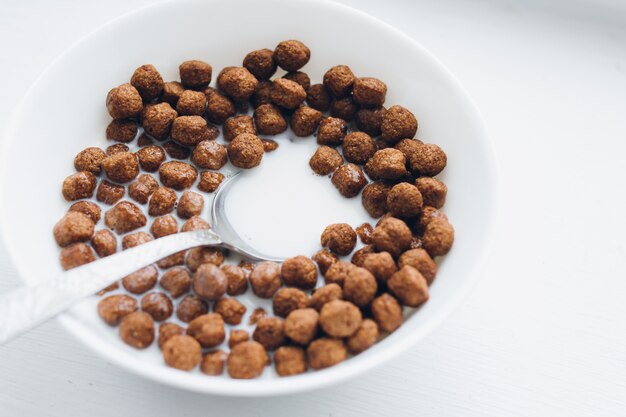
64, 112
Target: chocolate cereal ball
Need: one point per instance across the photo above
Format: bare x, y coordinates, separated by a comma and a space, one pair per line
141, 189
73, 227
324, 260
176, 151
210, 181
339, 80
301, 325
79, 185
270, 332
433, 191
191, 103
305, 120
344, 108
404, 200
326, 352
237, 83
177, 175
359, 286
148, 82
135, 239
124, 102
122, 130
364, 231
141, 281
438, 237
87, 207
338, 272
237, 336
121, 167
247, 360
208, 329
75, 255
387, 164
358, 147
288, 299
325, 294
151, 157
236, 279
104, 243
265, 279
370, 120
339, 238
195, 223
209, 282
409, 286
124, 217
261, 94
109, 193
114, 308
374, 198
392, 235
291, 55
408, 146
318, 98
191, 307
210, 155
219, 107
117, 148
269, 120
325, 160
260, 63
428, 160
172, 91
299, 77
235, 126
358, 257
202, 255
340, 318
175, 259
366, 335
195, 74
368, 91
387, 312
349, 180
287, 94
213, 362
245, 151
176, 281
398, 123
230, 309
189, 205
381, 265
157, 120
290, 360
158, 305
420, 260
164, 226
182, 352
90, 160
257, 315
162, 201
167, 331
331, 131
300, 272
190, 130
137, 330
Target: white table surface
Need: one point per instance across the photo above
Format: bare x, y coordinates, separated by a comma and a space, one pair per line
543, 333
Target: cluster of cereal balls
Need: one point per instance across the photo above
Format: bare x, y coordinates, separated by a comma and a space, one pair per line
173, 129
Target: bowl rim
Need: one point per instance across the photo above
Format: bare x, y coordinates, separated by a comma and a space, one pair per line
317, 379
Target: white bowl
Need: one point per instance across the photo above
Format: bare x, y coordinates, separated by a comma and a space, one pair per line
64, 112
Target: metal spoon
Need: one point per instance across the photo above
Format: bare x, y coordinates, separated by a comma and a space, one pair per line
29, 306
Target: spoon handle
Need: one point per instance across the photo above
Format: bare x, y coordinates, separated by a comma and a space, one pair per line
26, 307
